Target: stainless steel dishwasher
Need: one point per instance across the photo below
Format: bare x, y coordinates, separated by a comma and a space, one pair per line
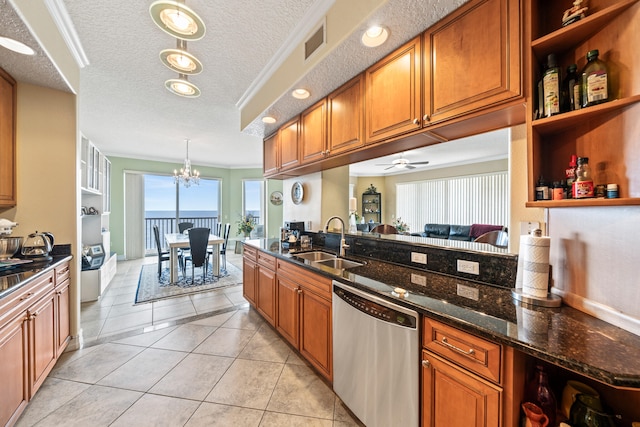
376, 358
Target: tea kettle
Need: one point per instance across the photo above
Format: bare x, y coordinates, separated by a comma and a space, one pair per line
37, 246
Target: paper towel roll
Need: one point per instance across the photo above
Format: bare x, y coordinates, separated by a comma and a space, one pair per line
533, 265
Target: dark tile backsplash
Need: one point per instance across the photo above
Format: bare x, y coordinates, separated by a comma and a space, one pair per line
494, 269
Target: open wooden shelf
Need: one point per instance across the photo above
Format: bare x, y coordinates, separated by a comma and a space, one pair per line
573, 34
553, 124
574, 203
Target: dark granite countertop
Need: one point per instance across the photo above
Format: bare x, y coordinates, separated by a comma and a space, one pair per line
14, 277
563, 336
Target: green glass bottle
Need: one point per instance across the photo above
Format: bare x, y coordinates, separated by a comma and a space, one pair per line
567, 101
551, 87
595, 80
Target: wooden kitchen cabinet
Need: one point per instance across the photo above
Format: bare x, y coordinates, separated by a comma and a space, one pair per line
266, 287
393, 96
249, 272
453, 397
313, 133
14, 388
43, 344
346, 117
289, 147
8, 192
472, 60
288, 318
606, 133
62, 306
270, 153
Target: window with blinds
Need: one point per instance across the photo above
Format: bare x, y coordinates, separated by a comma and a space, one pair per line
473, 199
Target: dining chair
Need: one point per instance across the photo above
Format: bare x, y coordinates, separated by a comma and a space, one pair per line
198, 256
183, 226
223, 249
218, 229
162, 254
497, 238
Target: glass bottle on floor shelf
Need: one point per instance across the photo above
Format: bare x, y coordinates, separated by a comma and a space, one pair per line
539, 392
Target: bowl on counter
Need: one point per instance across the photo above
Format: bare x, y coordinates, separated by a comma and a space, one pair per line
9, 246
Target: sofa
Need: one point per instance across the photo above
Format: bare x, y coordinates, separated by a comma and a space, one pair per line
457, 232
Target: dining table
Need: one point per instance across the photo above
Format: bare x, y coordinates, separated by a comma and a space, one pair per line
176, 241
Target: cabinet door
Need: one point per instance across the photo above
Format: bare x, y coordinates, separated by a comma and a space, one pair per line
266, 294
447, 388
393, 93
315, 332
288, 317
472, 59
313, 133
42, 332
249, 281
270, 155
14, 392
346, 117
63, 329
289, 147
7, 141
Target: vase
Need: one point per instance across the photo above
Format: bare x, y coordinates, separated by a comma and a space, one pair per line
246, 234
535, 416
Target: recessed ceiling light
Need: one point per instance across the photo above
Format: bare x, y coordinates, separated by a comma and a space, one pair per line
181, 61
16, 46
375, 36
177, 19
268, 119
182, 87
300, 93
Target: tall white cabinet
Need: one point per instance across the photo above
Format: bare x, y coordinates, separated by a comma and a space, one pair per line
96, 208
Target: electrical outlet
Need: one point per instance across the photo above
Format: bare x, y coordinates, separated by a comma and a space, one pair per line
468, 292
418, 279
419, 258
469, 267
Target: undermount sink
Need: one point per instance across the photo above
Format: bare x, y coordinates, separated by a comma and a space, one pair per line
339, 263
315, 256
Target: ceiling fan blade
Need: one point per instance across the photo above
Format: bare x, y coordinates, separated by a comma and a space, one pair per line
389, 167
426, 162
385, 164
409, 167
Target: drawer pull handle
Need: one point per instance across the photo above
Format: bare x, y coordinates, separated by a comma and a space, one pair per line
27, 296
458, 349
299, 291
426, 363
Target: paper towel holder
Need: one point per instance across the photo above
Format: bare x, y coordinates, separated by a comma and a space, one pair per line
551, 300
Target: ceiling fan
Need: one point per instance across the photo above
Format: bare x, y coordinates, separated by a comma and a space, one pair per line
402, 163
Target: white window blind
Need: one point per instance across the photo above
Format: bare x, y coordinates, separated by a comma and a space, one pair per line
474, 199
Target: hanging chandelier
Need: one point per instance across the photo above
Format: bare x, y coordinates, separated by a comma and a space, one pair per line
187, 176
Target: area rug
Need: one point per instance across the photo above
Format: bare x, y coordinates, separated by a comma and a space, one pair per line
150, 288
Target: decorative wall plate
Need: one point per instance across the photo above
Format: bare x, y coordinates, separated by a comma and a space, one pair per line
297, 192
276, 198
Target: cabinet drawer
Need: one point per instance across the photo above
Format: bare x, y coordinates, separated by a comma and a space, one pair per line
318, 284
250, 253
62, 273
473, 353
25, 296
267, 260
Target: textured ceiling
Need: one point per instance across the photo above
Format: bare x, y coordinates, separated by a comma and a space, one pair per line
125, 109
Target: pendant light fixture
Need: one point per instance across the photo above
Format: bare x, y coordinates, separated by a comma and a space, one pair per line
187, 176
181, 61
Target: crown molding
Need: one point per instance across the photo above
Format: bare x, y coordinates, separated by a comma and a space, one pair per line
66, 28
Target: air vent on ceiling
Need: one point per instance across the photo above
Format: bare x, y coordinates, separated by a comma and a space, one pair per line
315, 42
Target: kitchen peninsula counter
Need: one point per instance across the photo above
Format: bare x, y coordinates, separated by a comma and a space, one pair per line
16, 277
562, 336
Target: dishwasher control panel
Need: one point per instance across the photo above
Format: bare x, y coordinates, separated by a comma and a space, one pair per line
374, 309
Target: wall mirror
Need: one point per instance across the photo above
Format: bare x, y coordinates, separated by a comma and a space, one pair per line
454, 183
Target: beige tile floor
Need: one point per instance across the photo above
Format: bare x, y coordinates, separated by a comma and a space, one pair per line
202, 360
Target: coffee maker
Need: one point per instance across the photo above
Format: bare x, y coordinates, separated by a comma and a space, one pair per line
291, 228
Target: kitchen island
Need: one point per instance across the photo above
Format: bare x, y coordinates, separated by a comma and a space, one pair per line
557, 337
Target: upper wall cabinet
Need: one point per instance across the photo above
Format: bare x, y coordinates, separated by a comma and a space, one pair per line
313, 132
472, 60
270, 153
606, 133
289, 136
346, 117
393, 93
7, 140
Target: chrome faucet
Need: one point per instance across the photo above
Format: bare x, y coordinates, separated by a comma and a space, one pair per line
343, 243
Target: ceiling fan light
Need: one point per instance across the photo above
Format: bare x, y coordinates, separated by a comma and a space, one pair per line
16, 46
182, 87
177, 20
375, 36
181, 61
